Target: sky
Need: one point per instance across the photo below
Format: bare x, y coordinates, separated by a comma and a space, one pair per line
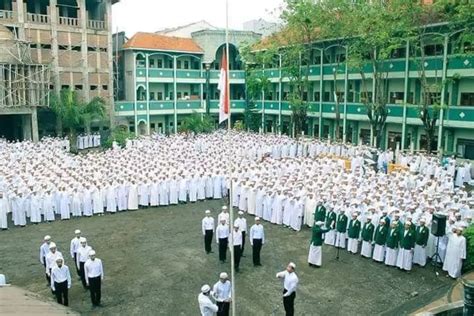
132, 16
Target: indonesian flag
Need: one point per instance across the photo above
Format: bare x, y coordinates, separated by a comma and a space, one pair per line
224, 93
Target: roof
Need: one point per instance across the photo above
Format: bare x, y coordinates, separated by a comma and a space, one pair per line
161, 42
202, 23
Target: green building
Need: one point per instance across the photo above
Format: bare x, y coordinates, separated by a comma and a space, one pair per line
166, 78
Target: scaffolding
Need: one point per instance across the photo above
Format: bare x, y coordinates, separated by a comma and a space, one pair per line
22, 83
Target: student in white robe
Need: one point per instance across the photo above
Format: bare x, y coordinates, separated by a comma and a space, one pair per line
155, 193
144, 194
217, 186
277, 208
76, 203
164, 192
224, 216
455, 253
259, 201
64, 205
251, 199
174, 191
132, 204
183, 190
18, 209
35, 208
287, 209
297, 215
209, 186
4, 210
98, 200
193, 189
111, 197
122, 196
309, 208
87, 201
48, 206
243, 198
267, 206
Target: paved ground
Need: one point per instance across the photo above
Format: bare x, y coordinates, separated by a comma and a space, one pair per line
155, 265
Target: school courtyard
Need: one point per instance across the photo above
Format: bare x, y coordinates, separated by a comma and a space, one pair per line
155, 264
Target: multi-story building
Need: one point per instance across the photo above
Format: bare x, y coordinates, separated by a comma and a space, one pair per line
167, 78
72, 37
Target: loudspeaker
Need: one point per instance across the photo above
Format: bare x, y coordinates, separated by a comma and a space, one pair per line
438, 225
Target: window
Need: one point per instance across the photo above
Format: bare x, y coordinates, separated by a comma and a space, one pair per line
152, 96
396, 97
171, 95
76, 48
398, 52
170, 64
159, 96
160, 63
93, 87
105, 87
78, 87
45, 46
366, 97
91, 49
151, 63
186, 64
33, 45
140, 63
467, 98
178, 64
305, 96
178, 95
64, 87
285, 95
316, 96
327, 96
434, 50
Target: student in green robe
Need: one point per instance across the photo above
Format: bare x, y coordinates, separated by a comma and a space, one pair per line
315, 248
353, 234
422, 234
393, 240
367, 237
320, 212
341, 229
380, 239
405, 253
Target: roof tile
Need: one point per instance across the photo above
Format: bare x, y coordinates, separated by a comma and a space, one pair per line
162, 42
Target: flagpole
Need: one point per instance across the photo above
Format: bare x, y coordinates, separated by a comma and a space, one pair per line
231, 209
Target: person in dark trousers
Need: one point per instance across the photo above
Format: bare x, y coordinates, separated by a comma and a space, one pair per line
290, 283
94, 273
257, 239
236, 242
222, 239
208, 227
242, 223
61, 281
82, 255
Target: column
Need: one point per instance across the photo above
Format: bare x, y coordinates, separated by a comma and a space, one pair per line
108, 17
34, 125
26, 126
84, 51
21, 12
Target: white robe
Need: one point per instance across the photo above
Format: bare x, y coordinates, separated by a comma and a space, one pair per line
87, 202
315, 254
251, 199
64, 205
144, 194
18, 211
379, 253
48, 208
155, 194
98, 201
174, 190
122, 197
297, 216
164, 193
183, 190
111, 199
35, 209
132, 197
366, 250
76, 204
4, 210
405, 259
217, 187
193, 189
419, 256
455, 253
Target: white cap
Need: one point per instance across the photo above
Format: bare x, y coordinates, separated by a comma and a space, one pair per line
241, 213
82, 239
47, 237
92, 253
77, 231
52, 245
291, 264
205, 288
224, 207
319, 223
257, 218
207, 212
59, 258
223, 275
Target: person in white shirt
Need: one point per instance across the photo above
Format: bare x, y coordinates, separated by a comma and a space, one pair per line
257, 239
290, 283
208, 227
224, 215
236, 242
206, 306
222, 292
44, 250
242, 223
75, 244
81, 258
222, 239
94, 273
61, 281
51, 259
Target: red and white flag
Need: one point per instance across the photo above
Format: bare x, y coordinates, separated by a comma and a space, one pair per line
223, 87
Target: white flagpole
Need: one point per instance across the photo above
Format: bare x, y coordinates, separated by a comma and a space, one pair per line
231, 209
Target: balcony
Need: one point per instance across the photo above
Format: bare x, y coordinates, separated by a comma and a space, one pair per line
234, 74
96, 25
189, 105
37, 18
73, 22
6, 15
189, 74
238, 105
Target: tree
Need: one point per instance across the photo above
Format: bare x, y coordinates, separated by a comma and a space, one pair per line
196, 124
73, 114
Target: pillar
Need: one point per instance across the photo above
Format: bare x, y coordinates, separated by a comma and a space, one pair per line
26, 126
84, 51
34, 125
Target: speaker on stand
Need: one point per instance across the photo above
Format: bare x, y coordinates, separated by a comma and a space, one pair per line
438, 229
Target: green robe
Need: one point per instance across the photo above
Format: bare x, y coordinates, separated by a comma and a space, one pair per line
407, 239
317, 238
354, 229
330, 217
421, 236
393, 238
368, 232
381, 235
341, 224
387, 221
320, 213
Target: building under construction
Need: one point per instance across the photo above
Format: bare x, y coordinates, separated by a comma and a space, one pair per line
49, 45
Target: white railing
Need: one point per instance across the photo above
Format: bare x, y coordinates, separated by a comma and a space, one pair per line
95, 24
6, 15
38, 18
68, 21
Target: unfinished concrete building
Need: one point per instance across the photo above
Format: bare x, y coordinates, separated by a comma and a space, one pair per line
73, 38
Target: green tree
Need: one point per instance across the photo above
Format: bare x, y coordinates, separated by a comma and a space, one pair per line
73, 114
197, 124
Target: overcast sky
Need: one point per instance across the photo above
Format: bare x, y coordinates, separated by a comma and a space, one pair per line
132, 16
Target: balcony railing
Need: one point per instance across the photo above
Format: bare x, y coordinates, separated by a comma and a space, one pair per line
96, 25
38, 18
6, 15
69, 21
